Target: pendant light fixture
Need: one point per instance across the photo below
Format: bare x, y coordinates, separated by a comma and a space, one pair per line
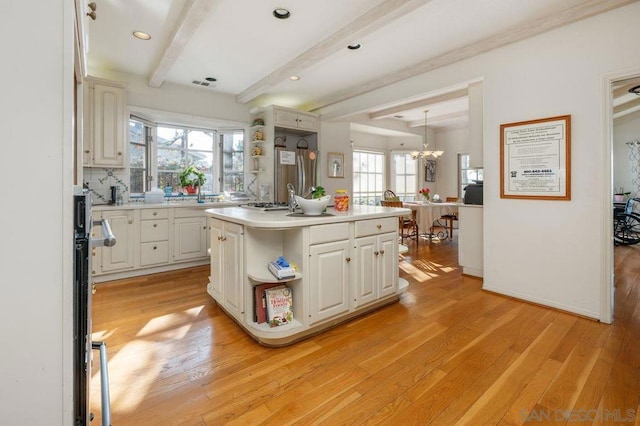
425, 154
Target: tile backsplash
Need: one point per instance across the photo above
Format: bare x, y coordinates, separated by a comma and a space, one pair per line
99, 182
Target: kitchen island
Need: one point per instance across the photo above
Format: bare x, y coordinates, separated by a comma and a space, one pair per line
346, 265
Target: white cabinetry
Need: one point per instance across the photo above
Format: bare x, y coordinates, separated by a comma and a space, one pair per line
189, 238
227, 279
295, 120
376, 260
105, 144
121, 256
154, 237
329, 267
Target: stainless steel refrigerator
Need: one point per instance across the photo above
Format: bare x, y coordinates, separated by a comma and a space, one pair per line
296, 162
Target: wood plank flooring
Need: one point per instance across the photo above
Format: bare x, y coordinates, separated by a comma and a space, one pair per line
447, 353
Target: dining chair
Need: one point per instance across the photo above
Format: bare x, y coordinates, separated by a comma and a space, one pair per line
450, 217
408, 225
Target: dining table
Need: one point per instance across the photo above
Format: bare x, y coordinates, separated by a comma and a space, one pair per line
428, 212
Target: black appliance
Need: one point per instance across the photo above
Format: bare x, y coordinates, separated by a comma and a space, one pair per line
473, 193
82, 293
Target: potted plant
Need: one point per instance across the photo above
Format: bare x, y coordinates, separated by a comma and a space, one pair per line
190, 178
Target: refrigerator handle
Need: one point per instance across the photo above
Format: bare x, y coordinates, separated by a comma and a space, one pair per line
301, 173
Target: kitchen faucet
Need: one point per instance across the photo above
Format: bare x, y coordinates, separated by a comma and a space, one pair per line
292, 198
200, 194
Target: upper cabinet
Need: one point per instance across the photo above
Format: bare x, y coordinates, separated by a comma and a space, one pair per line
106, 131
295, 119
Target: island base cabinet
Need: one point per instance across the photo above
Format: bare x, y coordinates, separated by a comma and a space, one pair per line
328, 280
376, 268
227, 266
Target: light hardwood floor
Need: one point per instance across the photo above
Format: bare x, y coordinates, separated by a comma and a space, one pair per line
447, 353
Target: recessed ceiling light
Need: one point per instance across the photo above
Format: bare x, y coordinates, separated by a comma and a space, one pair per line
141, 35
281, 13
354, 46
211, 79
635, 90
294, 78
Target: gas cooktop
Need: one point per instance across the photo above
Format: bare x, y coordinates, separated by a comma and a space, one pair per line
266, 207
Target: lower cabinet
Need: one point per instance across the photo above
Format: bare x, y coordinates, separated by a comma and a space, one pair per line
328, 280
376, 271
189, 238
227, 269
160, 237
121, 256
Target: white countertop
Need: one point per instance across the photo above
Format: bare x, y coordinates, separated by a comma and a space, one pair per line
281, 219
183, 204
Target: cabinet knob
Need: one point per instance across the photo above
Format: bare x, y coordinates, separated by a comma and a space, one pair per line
348, 259
119, 153
378, 226
154, 247
86, 151
224, 239
376, 253
155, 213
381, 251
130, 221
155, 225
204, 227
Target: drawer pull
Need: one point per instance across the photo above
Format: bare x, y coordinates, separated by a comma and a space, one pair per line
378, 226
131, 222
155, 213
154, 247
155, 225
348, 259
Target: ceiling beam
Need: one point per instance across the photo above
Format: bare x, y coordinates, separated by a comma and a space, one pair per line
439, 118
514, 34
191, 17
381, 15
630, 106
422, 103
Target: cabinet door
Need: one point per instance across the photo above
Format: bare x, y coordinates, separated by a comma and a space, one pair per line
387, 264
232, 267
365, 288
307, 122
329, 280
120, 256
190, 238
285, 118
108, 126
215, 235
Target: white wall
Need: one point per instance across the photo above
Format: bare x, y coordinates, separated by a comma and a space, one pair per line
335, 137
625, 129
452, 142
36, 244
549, 252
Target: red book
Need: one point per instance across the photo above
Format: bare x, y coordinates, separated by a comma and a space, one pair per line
260, 315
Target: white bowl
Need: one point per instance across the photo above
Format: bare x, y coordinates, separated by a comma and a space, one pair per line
313, 207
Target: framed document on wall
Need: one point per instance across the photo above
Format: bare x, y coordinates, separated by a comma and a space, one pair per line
535, 159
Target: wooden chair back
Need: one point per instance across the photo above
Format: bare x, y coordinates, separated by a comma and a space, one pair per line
386, 203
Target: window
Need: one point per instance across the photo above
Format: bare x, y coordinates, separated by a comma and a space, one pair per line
368, 177
179, 148
232, 160
139, 158
405, 175
467, 174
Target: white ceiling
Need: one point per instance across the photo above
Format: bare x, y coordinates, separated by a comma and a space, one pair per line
252, 54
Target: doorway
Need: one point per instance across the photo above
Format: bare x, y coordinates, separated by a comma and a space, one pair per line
622, 122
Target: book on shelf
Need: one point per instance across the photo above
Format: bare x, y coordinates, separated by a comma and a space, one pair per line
259, 302
279, 302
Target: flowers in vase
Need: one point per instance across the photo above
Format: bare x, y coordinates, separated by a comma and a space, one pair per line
425, 193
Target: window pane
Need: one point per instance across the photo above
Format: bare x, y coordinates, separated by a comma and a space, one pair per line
136, 132
136, 181
202, 160
168, 179
410, 165
169, 137
200, 140
138, 158
169, 159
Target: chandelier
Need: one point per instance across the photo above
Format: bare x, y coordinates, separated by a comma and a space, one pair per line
425, 154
